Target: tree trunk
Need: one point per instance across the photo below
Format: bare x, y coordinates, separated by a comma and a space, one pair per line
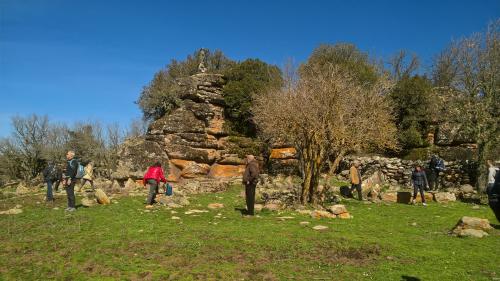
335, 164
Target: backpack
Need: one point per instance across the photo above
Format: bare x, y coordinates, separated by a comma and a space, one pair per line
53, 173
80, 170
168, 190
440, 165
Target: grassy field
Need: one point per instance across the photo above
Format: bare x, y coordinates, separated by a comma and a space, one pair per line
123, 241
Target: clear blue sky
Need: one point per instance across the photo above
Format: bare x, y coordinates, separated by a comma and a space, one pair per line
87, 60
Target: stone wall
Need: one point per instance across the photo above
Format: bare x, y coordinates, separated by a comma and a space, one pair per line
395, 171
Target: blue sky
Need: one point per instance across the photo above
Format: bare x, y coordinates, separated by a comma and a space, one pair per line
88, 60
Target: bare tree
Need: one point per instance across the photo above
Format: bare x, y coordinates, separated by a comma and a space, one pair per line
326, 112
402, 65
467, 78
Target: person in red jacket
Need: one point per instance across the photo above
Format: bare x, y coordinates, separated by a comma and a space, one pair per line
153, 177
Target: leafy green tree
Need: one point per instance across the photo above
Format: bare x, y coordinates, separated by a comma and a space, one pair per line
414, 106
245, 80
348, 58
161, 95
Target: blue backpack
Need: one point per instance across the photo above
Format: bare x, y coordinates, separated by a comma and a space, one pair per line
168, 190
80, 170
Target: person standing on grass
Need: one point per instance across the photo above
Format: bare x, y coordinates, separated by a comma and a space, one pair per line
50, 177
493, 189
355, 176
419, 180
250, 180
89, 175
154, 176
70, 180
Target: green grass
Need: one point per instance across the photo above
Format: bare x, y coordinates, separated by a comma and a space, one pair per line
121, 241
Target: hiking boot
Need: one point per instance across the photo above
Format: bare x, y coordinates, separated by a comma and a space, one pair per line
425, 204
69, 209
412, 201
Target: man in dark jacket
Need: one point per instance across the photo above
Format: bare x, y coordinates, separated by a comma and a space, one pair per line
250, 180
70, 180
419, 183
50, 177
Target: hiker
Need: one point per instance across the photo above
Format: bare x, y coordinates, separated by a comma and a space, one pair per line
70, 180
250, 180
493, 189
88, 175
436, 166
355, 176
50, 177
153, 177
59, 177
419, 180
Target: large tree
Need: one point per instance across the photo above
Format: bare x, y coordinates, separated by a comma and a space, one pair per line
467, 78
414, 104
327, 111
245, 80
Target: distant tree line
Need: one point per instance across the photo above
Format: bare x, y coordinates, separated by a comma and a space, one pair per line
35, 141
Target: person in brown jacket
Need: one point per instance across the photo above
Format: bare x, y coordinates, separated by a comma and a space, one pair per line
355, 176
250, 180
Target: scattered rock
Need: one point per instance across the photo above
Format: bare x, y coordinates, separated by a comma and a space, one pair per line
101, 197
320, 227
391, 197
471, 226
444, 197
215, 206
337, 209
345, 216
472, 233
87, 202
317, 214
22, 189
258, 207
195, 211
149, 206
175, 218
304, 223
476, 207
272, 207
285, 218
13, 211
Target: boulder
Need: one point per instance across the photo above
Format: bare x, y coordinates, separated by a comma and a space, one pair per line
444, 197
467, 188
22, 189
135, 155
226, 171
391, 197
471, 233
337, 209
88, 202
190, 169
101, 197
174, 173
130, 184
231, 159
317, 214
345, 216
471, 226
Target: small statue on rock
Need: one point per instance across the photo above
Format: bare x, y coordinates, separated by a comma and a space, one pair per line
201, 67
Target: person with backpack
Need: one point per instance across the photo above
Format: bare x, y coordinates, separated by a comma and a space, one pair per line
493, 189
70, 180
153, 177
419, 180
88, 175
50, 177
436, 166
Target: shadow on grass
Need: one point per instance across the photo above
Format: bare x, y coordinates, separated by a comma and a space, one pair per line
243, 211
409, 278
495, 226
